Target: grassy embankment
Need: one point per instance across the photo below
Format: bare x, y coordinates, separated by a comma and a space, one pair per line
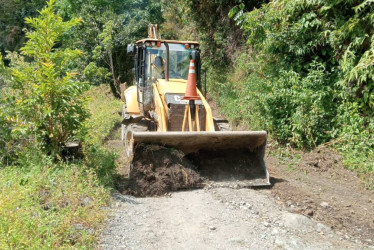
46, 205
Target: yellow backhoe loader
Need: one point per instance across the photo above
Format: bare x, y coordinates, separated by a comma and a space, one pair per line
167, 107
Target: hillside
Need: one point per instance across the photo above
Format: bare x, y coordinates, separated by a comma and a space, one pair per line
301, 71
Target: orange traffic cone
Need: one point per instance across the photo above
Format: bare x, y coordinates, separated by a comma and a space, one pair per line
191, 91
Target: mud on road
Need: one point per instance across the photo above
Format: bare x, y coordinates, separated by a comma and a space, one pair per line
319, 187
315, 204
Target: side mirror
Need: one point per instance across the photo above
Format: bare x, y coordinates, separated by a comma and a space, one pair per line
130, 49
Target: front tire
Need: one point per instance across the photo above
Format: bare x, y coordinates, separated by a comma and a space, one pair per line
129, 144
123, 126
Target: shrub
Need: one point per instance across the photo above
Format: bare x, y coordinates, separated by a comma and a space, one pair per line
47, 100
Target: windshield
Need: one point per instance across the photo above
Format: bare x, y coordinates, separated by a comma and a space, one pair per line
179, 60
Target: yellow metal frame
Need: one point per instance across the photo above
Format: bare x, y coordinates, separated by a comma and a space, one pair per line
160, 88
131, 100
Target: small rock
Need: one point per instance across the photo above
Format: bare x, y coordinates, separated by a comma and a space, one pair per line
323, 228
297, 221
309, 212
324, 204
85, 201
274, 232
266, 224
280, 243
78, 226
212, 228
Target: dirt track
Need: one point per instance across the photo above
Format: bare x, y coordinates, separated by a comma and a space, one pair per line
313, 205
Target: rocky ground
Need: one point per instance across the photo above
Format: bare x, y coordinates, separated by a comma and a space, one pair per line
218, 218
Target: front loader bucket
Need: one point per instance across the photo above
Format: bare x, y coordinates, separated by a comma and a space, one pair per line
222, 155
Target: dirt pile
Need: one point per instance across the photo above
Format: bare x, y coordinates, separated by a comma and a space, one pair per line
157, 170
321, 159
320, 187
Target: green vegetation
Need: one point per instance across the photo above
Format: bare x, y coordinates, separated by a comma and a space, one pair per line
47, 102
47, 205
49, 199
44, 204
313, 80
12, 22
107, 27
302, 70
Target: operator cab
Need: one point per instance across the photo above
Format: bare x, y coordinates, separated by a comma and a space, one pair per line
162, 59
179, 60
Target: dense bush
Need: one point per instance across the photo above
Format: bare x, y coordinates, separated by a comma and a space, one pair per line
12, 25
44, 103
313, 80
208, 23
107, 27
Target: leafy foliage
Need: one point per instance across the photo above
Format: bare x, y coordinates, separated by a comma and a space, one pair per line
207, 22
314, 75
45, 205
107, 27
13, 13
45, 98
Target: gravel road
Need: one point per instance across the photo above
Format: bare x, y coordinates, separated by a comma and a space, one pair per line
215, 218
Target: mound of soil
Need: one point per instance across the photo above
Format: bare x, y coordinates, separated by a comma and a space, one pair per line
321, 159
320, 187
157, 170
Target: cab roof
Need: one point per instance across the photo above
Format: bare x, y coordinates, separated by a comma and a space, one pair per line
168, 41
